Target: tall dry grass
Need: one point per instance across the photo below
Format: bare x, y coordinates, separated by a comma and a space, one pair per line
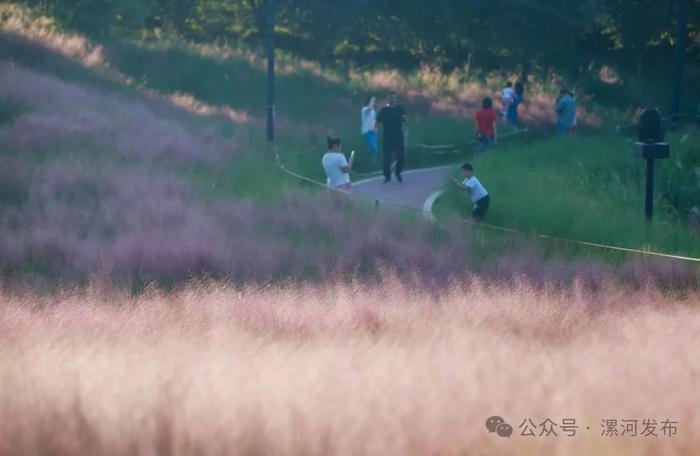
20, 20
345, 370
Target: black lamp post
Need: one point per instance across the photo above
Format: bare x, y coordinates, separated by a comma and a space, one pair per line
651, 147
650, 153
271, 7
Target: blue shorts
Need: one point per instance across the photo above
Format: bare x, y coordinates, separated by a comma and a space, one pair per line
371, 138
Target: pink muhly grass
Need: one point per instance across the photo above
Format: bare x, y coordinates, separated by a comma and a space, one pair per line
343, 369
63, 114
77, 220
122, 214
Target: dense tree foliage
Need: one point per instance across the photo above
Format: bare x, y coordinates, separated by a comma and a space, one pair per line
534, 35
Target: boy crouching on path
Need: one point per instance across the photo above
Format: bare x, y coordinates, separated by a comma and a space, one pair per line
479, 195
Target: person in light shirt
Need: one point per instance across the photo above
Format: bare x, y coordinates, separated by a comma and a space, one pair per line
369, 126
336, 166
479, 195
507, 98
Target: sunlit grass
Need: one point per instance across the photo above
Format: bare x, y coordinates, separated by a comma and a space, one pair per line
19, 20
585, 188
344, 370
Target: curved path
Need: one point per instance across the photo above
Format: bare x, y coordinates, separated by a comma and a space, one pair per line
419, 189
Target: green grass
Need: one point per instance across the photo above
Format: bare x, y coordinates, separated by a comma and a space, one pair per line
584, 188
587, 188
310, 106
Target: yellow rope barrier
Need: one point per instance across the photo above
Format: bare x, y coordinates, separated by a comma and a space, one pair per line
502, 228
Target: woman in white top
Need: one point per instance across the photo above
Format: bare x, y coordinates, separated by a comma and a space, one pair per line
369, 126
336, 166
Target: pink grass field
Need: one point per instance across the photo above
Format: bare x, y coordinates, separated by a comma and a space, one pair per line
91, 185
402, 345
345, 370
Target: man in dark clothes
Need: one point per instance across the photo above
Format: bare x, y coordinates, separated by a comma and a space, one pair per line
391, 118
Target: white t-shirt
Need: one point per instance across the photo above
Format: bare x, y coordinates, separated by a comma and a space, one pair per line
508, 93
476, 190
332, 164
369, 119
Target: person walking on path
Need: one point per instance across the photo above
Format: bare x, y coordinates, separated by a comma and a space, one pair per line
479, 196
391, 118
485, 121
518, 99
565, 109
336, 166
507, 97
369, 127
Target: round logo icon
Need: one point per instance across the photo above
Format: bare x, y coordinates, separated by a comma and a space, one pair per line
493, 422
504, 430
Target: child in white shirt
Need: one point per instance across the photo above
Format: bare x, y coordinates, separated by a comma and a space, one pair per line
479, 195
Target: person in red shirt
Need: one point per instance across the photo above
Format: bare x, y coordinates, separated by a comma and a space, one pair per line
485, 120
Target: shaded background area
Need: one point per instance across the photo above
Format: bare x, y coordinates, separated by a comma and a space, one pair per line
577, 41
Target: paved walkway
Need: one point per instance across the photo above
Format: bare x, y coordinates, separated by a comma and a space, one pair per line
419, 189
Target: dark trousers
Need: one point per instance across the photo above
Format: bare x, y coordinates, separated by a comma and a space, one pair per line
484, 142
393, 150
482, 207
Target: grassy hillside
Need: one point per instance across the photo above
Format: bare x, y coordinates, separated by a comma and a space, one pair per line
165, 289
312, 101
588, 188
88, 126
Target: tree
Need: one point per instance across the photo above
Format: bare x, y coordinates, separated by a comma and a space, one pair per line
636, 28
